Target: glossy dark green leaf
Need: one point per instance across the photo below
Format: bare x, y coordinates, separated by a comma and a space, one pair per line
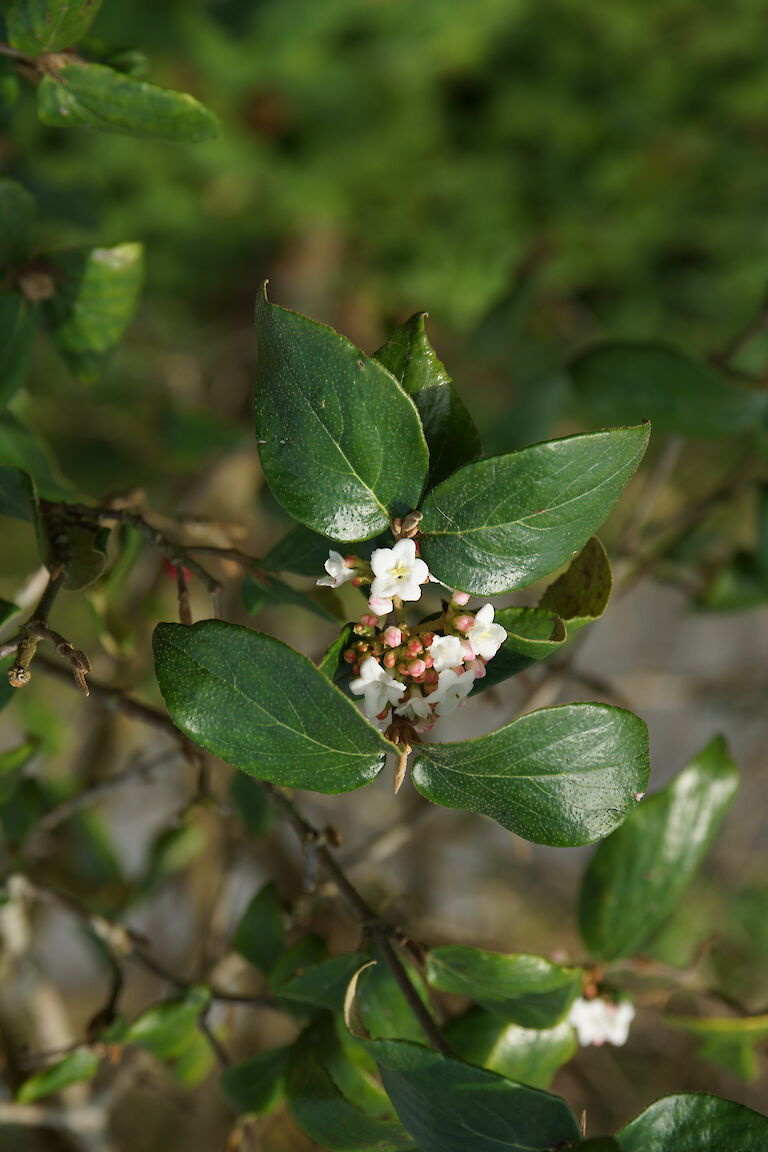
17, 224
582, 593
695, 1122
561, 776
17, 495
267, 591
451, 436
20, 448
296, 958
639, 874
526, 990
383, 1008
17, 333
82, 1064
96, 294
351, 1068
505, 522
323, 985
532, 634
12, 763
598, 1144
265, 708
530, 1056
167, 1028
730, 1041
328, 1118
449, 1106
92, 96
259, 936
340, 442
301, 551
333, 663
37, 26
623, 383
257, 1086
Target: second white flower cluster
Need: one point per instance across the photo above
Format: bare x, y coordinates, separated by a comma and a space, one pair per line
424, 671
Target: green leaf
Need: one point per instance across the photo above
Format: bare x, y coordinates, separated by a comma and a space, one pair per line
328, 1118
527, 990
9, 85
17, 495
257, 1086
7, 611
305, 552
17, 224
449, 1106
173, 850
267, 591
530, 1056
384, 1010
635, 879
451, 436
82, 1064
561, 776
507, 521
252, 802
582, 593
20, 448
192, 1066
598, 1144
259, 937
340, 442
730, 1041
92, 96
623, 383
305, 953
695, 1122
532, 634
37, 26
17, 333
96, 294
12, 763
82, 546
166, 1029
263, 707
323, 985
333, 662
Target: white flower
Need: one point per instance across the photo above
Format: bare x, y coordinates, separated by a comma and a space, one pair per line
446, 652
398, 572
378, 689
486, 637
337, 570
451, 688
597, 1021
416, 707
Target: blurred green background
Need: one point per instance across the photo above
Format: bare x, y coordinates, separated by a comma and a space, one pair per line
535, 174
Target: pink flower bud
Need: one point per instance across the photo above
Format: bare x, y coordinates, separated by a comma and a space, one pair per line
390, 659
428, 639
350, 655
379, 606
356, 581
383, 715
402, 669
369, 620
392, 637
414, 646
460, 598
428, 661
420, 679
431, 676
416, 668
351, 562
478, 667
463, 623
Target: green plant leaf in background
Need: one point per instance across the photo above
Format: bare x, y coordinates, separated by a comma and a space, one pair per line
532, 634
265, 591
695, 1122
598, 1144
17, 495
252, 803
256, 1086
20, 448
301, 551
12, 763
529, 1055
383, 1008
263, 707
623, 383
449, 1106
18, 324
527, 990
507, 521
74, 1068
637, 876
341, 444
259, 937
9, 85
451, 436
166, 1029
324, 985
561, 776
17, 224
582, 593
37, 26
730, 1041
96, 294
84, 95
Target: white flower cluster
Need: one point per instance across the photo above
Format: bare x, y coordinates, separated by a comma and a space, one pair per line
422, 672
599, 1021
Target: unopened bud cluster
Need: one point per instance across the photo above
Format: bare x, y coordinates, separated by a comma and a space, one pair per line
422, 671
